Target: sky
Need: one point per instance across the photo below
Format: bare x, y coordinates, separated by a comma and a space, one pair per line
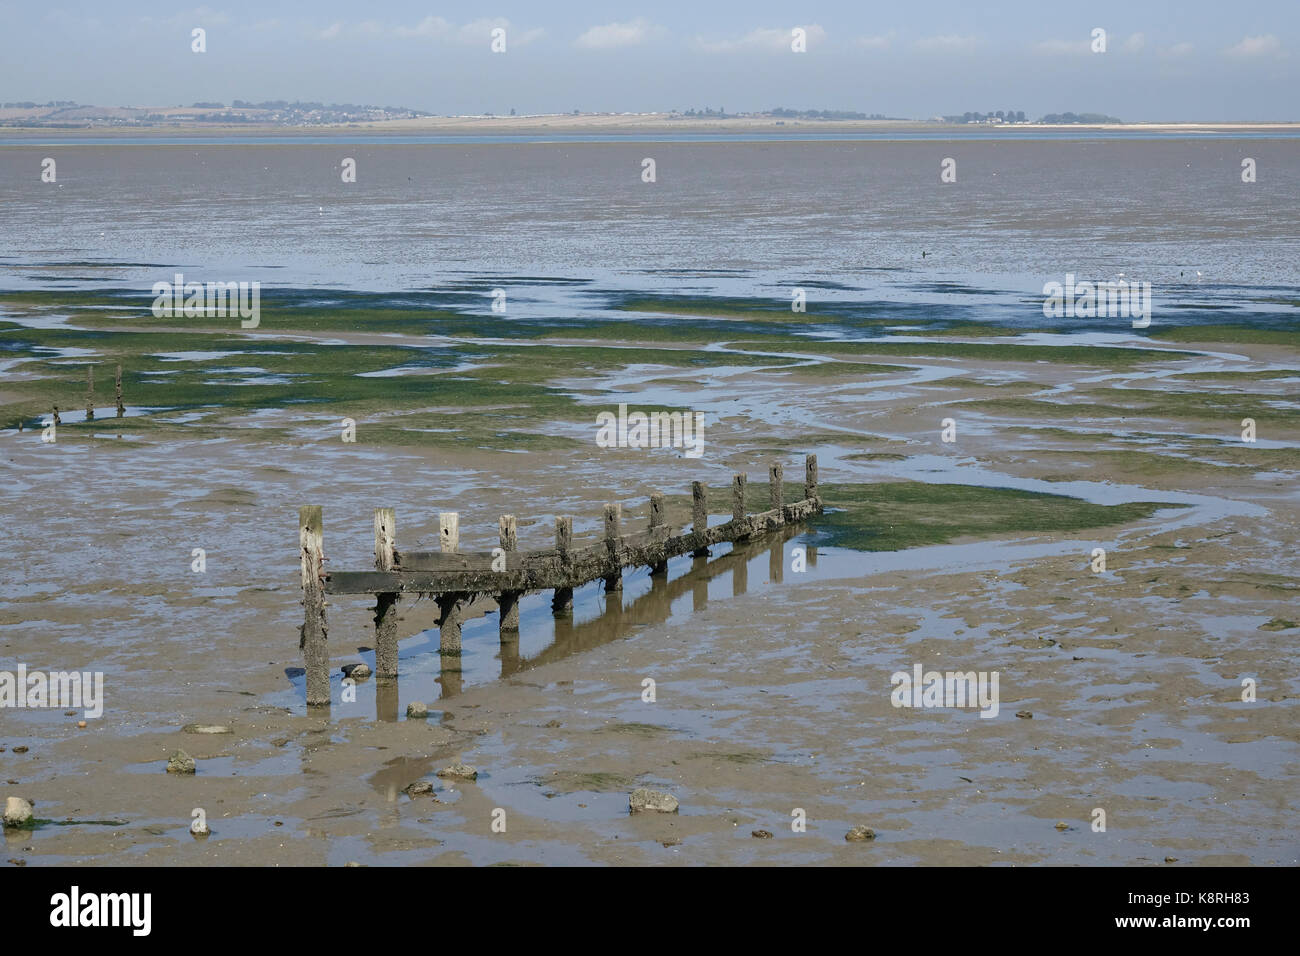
1187, 60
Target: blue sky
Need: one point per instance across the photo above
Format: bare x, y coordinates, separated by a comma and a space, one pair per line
1189, 60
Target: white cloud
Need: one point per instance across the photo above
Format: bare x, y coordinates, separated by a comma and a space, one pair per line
949, 43
1265, 45
1135, 43
613, 35
331, 31
428, 27
770, 40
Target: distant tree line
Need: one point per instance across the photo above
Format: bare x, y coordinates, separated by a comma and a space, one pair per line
1066, 118
1006, 116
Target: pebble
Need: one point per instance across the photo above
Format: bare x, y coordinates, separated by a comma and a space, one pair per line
357, 671
419, 787
417, 710
462, 771
1062, 825
762, 834
1024, 715
81, 724
20, 749
860, 834
643, 799
206, 729
69, 713
199, 830
181, 762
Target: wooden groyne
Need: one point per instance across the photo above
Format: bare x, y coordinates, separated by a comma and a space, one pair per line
455, 578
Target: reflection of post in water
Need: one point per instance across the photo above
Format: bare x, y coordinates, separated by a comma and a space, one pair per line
509, 652
451, 678
811, 551
739, 573
386, 698
775, 562
700, 592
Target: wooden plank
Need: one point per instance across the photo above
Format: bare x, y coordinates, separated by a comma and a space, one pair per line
569, 569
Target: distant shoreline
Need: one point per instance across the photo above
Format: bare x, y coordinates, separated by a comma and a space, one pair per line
605, 125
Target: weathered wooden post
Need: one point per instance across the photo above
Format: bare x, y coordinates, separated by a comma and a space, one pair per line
613, 582
776, 492
385, 604
508, 601
699, 515
660, 568
449, 604
810, 476
90, 393
57, 420
314, 643
562, 600
117, 387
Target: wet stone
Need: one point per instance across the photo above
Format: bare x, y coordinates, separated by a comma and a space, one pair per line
460, 771
356, 671
860, 834
644, 800
181, 762
417, 711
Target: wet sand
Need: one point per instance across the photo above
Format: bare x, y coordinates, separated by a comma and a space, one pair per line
773, 686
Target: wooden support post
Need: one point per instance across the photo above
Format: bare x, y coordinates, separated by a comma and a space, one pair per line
90, 393
776, 492
810, 476
449, 604
657, 521
314, 643
562, 601
117, 387
57, 420
385, 604
508, 601
449, 531
612, 512
738, 497
699, 514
